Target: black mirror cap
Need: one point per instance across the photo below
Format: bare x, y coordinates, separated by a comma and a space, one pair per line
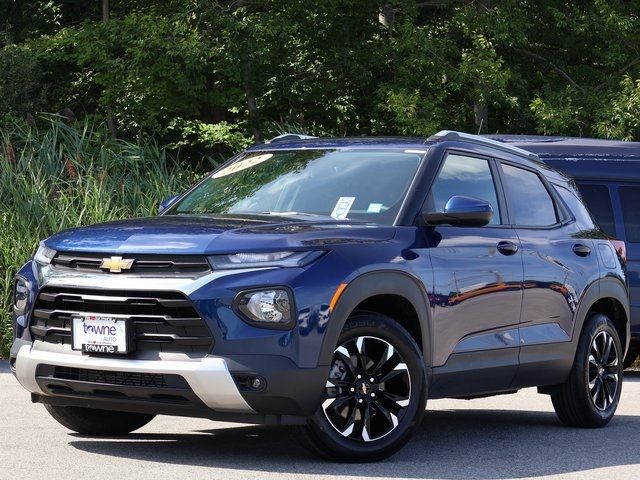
166, 203
461, 211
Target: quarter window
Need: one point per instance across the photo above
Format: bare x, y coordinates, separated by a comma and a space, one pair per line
580, 212
598, 202
468, 176
529, 201
629, 199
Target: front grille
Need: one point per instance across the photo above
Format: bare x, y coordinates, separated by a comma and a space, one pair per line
129, 379
161, 321
143, 264
132, 388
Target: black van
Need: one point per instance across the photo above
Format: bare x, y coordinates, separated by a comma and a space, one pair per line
607, 173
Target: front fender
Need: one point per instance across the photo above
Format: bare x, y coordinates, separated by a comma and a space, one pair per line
370, 284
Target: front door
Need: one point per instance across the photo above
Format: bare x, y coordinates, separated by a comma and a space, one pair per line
477, 289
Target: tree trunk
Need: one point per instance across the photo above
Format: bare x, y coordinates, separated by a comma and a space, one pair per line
254, 117
387, 16
480, 117
111, 123
105, 10
480, 109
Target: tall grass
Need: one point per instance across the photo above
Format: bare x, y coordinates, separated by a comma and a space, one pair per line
62, 175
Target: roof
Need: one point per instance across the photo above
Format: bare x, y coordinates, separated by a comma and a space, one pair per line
583, 158
344, 142
548, 146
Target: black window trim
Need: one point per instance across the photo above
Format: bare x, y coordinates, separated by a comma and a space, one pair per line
497, 183
561, 217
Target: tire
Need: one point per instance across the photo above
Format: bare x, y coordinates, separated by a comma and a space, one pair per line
590, 396
89, 421
364, 421
632, 355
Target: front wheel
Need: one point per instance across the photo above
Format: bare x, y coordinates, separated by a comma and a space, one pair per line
375, 394
89, 421
590, 396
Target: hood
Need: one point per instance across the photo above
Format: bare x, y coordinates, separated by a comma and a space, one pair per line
186, 234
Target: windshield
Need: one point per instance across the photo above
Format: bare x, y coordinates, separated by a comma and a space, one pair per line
362, 185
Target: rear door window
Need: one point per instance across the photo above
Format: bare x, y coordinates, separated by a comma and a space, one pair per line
598, 202
529, 201
630, 202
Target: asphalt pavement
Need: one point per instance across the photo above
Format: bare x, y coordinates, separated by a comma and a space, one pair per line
511, 436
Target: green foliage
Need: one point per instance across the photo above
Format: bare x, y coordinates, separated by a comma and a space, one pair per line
194, 133
22, 88
59, 176
209, 75
620, 119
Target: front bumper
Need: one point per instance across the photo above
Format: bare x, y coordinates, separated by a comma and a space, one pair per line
208, 377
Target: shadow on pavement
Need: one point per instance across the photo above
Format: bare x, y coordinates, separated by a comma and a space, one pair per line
449, 444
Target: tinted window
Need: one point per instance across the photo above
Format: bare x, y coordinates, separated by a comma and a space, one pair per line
367, 185
466, 176
529, 201
579, 211
598, 202
629, 199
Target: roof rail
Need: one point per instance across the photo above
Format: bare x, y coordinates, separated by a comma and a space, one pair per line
453, 135
289, 136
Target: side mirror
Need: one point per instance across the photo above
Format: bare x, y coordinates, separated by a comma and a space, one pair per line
461, 211
166, 203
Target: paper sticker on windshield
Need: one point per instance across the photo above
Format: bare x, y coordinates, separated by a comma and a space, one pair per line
342, 207
242, 165
374, 208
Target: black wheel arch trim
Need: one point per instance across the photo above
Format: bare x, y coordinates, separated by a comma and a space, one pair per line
607, 287
371, 284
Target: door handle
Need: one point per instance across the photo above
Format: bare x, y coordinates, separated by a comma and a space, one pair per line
581, 250
507, 248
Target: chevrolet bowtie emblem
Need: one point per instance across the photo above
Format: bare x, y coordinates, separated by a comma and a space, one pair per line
117, 264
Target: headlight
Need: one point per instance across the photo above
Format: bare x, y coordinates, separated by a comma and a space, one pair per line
20, 295
44, 254
268, 308
270, 259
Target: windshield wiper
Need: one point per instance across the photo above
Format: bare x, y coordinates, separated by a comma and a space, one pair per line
295, 214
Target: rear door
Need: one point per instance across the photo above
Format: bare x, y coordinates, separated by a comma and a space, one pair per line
559, 260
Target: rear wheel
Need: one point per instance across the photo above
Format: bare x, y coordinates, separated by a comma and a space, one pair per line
375, 395
590, 396
89, 421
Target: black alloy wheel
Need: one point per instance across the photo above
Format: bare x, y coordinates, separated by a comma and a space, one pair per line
368, 389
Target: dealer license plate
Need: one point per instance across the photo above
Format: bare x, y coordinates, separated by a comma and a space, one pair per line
98, 334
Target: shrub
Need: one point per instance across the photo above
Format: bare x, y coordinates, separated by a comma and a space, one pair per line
59, 175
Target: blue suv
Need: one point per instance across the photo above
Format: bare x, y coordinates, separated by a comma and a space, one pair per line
334, 284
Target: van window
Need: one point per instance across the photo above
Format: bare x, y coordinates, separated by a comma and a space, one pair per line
630, 201
598, 202
469, 176
528, 199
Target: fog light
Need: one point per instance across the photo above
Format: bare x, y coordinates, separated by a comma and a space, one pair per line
270, 308
256, 383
